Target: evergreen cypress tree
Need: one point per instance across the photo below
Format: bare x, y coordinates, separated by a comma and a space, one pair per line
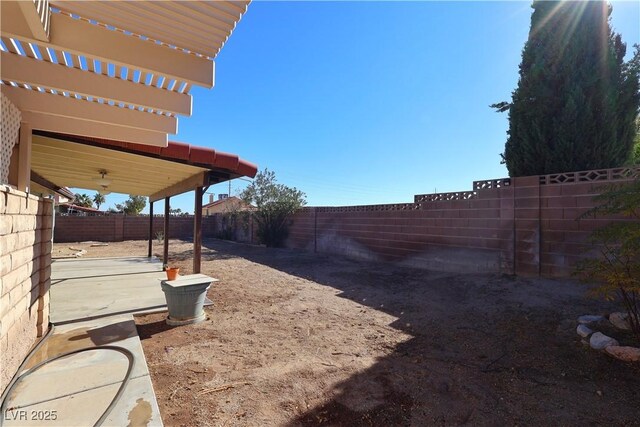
577, 100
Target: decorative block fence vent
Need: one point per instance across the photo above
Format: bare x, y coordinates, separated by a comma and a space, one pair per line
591, 176
488, 184
367, 208
440, 197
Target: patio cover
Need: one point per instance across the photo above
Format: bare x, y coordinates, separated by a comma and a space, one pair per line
98, 83
119, 72
74, 161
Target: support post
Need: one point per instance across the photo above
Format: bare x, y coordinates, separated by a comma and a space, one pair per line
165, 253
24, 159
197, 231
150, 252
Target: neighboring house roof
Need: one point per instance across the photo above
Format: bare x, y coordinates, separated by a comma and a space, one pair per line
64, 191
80, 208
227, 200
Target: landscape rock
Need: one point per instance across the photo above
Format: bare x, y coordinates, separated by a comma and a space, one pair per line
590, 318
584, 331
626, 354
600, 341
620, 320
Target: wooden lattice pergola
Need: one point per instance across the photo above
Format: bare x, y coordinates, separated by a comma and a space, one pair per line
99, 86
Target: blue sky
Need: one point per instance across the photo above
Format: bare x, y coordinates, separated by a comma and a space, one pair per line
368, 102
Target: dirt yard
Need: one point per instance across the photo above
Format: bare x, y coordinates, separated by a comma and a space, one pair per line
297, 339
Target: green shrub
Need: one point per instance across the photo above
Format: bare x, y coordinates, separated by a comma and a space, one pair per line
617, 269
275, 204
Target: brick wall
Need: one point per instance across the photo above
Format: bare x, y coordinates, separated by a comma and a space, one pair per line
25, 272
459, 235
525, 226
116, 228
563, 240
82, 228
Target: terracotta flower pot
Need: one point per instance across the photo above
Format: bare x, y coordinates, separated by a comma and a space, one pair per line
172, 273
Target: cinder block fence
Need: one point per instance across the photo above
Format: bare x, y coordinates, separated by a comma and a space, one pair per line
526, 226
116, 228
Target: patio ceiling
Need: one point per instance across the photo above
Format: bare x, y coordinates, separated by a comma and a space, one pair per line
111, 69
68, 161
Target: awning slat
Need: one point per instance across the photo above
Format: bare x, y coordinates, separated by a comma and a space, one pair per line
104, 68
75, 60
198, 27
90, 65
179, 36
28, 50
60, 57
10, 45
142, 56
47, 55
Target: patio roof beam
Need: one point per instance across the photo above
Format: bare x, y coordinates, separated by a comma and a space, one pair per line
75, 126
86, 39
42, 181
58, 105
189, 184
37, 16
33, 72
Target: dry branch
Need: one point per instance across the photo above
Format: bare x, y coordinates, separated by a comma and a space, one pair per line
221, 388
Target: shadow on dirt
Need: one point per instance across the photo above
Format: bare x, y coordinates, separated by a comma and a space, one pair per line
484, 349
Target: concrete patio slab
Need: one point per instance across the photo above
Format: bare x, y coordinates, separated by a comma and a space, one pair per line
79, 388
92, 305
91, 288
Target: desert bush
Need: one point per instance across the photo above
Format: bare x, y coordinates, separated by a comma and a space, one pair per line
275, 204
133, 205
617, 268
